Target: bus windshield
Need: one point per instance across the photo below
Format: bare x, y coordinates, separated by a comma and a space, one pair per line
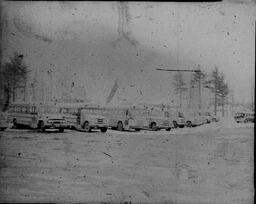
92, 111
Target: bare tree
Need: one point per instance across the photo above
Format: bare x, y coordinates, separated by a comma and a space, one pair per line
179, 85
13, 75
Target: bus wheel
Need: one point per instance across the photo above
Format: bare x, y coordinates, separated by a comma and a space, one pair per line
61, 129
175, 124
189, 124
41, 126
15, 124
120, 126
153, 126
168, 129
86, 127
103, 129
137, 129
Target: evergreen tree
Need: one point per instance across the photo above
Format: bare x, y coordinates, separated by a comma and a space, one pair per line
219, 87
223, 92
13, 74
199, 79
198, 76
213, 85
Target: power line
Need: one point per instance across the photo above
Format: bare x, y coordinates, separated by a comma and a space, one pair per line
180, 70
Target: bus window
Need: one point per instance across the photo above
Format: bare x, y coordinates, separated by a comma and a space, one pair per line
11, 109
34, 109
72, 111
63, 110
181, 115
30, 109
18, 109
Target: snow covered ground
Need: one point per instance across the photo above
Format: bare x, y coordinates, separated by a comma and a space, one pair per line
212, 163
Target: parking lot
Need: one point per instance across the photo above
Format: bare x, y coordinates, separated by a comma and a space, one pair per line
206, 164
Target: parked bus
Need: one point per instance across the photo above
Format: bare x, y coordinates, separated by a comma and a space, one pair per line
70, 111
41, 116
126, 118
203, 117
91, 118
139, 118
192, 118
176, 117
118, 117
158, 120
209, 117
244, 117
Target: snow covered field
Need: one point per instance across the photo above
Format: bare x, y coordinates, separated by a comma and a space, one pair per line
207, 164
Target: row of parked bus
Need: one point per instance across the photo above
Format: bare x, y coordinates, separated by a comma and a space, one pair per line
244, 117
87, 117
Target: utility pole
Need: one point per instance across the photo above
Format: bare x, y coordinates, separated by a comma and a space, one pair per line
232, 103
199, 87
188, 70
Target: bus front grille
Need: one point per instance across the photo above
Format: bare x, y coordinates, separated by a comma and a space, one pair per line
100, 120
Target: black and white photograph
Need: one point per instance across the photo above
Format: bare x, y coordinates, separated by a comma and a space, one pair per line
127, 102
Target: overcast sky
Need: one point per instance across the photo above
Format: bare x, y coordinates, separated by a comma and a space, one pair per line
95, 43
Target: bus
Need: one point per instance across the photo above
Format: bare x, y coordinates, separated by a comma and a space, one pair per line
139, 119
71, 112
127, 118
209, 117
90, 118
81, 116
40, 116
118, 117
192, 118
176, 117
158, 120
244, 117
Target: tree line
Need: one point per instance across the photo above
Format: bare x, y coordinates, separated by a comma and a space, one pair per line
13, 74
215, 81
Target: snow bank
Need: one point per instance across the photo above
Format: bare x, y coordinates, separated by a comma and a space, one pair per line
228, 122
